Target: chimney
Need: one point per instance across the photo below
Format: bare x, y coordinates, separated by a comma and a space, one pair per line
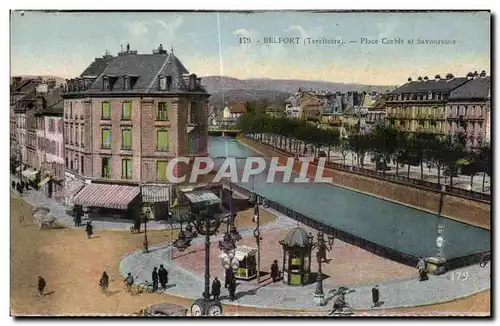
419, 78
409, 79
426, 78
17, 81
475, 75
483, 74
449, 76
469, 76
437, 78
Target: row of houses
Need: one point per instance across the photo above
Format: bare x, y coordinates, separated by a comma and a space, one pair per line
441, 105
113, 132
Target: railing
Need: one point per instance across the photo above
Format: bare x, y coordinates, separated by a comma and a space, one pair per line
397, 179
370, 246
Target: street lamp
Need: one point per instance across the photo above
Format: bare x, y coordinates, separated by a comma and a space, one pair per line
322, 247
254, 200
207, 224
145, 216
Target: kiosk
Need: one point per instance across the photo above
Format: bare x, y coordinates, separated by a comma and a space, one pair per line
244, 262
296, 257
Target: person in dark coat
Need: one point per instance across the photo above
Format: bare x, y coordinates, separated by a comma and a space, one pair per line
275, 271
155, 279
163, 276
89, 229
375, 296
232, 289
78, 220
216, 288
41, 285
104, 282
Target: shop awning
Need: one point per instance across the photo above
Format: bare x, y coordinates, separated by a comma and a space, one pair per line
241, 253
44, 181
73, 189
30, 173
202, 196
106, 196
155, 193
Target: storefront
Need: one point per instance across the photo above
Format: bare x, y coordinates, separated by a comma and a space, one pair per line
157, 197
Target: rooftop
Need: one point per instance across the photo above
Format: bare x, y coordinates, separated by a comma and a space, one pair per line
478, 88
431, 85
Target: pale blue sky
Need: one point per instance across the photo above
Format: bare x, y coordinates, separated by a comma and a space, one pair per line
64, 44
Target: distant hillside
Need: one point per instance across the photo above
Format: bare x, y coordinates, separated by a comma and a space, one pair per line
215, 84
245, 95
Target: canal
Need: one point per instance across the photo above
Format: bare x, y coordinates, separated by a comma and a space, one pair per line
389, 224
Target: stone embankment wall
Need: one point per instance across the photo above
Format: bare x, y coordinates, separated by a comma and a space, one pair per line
458, 208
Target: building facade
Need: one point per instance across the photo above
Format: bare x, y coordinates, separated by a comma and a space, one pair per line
468, 110
419, 106
125, 119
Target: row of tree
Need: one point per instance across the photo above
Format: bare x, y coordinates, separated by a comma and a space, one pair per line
385, 143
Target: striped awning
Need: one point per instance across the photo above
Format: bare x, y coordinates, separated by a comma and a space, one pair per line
202, 196
106, 196
155, 193
73, 189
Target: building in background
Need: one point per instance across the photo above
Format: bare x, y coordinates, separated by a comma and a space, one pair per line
419, 106
232, 113
376, 113
468, 109
125, 118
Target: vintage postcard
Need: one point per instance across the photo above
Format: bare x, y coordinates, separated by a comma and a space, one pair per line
271, 163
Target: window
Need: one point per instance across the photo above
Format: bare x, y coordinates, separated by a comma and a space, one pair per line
53, 147
126, 84
70, 109
105, 167
127, 169
192, 112
161, 170
106, 138
82, 136
163, 83
106, 111
192, 143
162, 112
106, 84
81, 164
162, 140
126, 110
126, 139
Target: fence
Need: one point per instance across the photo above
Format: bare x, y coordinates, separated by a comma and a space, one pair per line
370, 246
474, 195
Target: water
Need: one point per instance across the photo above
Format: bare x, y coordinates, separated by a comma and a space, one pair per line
402, 228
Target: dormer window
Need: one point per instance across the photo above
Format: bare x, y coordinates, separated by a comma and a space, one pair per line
163, 83
106, 84
126, 84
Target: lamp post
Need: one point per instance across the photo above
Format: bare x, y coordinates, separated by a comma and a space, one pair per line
207, 224
145, 216
254, 200
322, 247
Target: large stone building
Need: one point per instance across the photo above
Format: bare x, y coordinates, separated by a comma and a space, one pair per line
419, 106
126, 117
468, 109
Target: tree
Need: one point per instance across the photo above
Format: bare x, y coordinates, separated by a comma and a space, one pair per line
484, 160
384, 144
454, 150
402, 150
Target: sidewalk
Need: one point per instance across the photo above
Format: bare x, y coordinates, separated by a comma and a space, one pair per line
394, 294
58, 211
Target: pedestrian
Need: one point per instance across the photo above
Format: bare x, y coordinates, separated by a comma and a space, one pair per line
155, 279
21, 220
104, 282
275, 271
163, 276
375, 296
216, 288
41, 285
129, 281
78, 220
232, 289
422, 269
89, 229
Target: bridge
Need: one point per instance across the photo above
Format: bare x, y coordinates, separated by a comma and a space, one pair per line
223, 131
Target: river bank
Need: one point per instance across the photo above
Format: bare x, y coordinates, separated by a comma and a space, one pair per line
460, 209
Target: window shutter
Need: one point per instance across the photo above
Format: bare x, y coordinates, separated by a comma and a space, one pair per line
161, 170
106, 138
162, 141
106, 112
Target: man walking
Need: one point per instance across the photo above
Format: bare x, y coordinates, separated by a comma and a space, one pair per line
216, 288
41, 285
129, 281
155, 279
163, 276
104, 282
89, 229
422, 269
375, 296
275, 271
